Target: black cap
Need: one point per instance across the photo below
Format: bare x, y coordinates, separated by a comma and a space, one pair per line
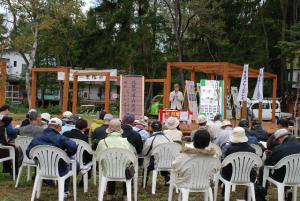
156, 126
244, 123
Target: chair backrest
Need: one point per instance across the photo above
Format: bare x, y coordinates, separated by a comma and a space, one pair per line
23, 142
292, 169
82, 147
258, 149
200, 170
164, 154
48, 159
113, 162
217, 149
242, 164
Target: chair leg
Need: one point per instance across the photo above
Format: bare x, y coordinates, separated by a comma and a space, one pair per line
185, 194
171, 187
102, 184
35, 187
210, 194
216, 187
135, 183
28, 173
39, 188
19, 175
85, 182
154, 178
95, 172
249, 193
206, 196
61, 189
227, 192
252, 189
74, 177
280, 189
294, 193
128, 189
145, 177
14, 168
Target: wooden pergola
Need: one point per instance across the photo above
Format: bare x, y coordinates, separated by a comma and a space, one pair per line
35, 72
227, 71
75, 88
3, 75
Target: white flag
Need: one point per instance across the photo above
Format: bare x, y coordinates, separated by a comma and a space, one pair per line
259, 88
243, 91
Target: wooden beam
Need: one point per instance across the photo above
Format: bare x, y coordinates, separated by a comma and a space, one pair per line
155, 80
107, 92
244, 110
3, 83
169, 82
166, 97
66, 90
226, 82
75, 93
274, 99
49, 70
193, 75
33, 90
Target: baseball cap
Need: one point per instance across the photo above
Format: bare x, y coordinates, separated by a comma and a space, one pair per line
55, 121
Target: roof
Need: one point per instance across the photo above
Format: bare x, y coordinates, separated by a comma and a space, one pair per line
219, 68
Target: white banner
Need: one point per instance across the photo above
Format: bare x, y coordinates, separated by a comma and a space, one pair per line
192, 98
243, 91
88, 78
259, 88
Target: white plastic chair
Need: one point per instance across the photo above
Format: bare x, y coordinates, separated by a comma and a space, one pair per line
200, 170
292, 175
23, 142
258, 149
11, 158
164, 154
242, 164
112, 166
48, 158
84, 168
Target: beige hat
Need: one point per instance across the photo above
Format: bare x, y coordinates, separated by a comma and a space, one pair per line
45, 116
172, 122
114, 126
141, 122
55, 121
108, 117
238, 135
202, 119
226, 123
67, 114
281, 132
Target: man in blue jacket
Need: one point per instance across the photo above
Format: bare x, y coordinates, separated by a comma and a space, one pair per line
11, 132
51, 136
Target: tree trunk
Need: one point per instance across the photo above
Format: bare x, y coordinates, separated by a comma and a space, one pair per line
30, 65
267, 51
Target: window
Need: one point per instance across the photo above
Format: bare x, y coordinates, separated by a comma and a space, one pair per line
255, 106
15, 63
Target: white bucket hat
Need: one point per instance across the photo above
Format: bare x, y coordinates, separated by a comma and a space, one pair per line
201, 119
55, 121
114, 126
280, 133
172, 123
67, 114
226, 123
238, 135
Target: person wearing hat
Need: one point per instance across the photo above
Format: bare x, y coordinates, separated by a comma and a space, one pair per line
176, 98
258, 131
34, 128
100, 132
140, 127
132, 136
97, 122
26, 121
244, 123
172, 132
202, 123
200, 149
158, 137
45, 119
11, 132
287, 145
69, 123
114, 139
215, 127
225, 134
238, 143
51, 136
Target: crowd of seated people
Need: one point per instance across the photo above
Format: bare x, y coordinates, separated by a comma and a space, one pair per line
142, 136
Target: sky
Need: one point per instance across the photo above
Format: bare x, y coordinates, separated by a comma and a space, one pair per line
88, 4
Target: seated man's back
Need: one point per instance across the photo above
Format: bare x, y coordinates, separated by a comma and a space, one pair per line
33, 129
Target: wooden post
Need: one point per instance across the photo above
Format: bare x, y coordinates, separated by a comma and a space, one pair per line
169, 82
3, 84
193, 76
75, 93
260, 111
166, 98
244, 110
66, 90
274, 98
33, 90
226, 83
107, 91
212, 76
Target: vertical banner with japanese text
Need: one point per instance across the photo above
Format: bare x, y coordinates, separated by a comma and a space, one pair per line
192, 98
259, 88
132, 96
243, 90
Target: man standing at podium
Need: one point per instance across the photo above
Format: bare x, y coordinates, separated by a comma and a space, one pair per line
176, 98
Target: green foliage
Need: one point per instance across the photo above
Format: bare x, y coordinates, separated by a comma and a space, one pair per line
51, 109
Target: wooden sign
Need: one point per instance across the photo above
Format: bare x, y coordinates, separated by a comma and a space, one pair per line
132, 96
